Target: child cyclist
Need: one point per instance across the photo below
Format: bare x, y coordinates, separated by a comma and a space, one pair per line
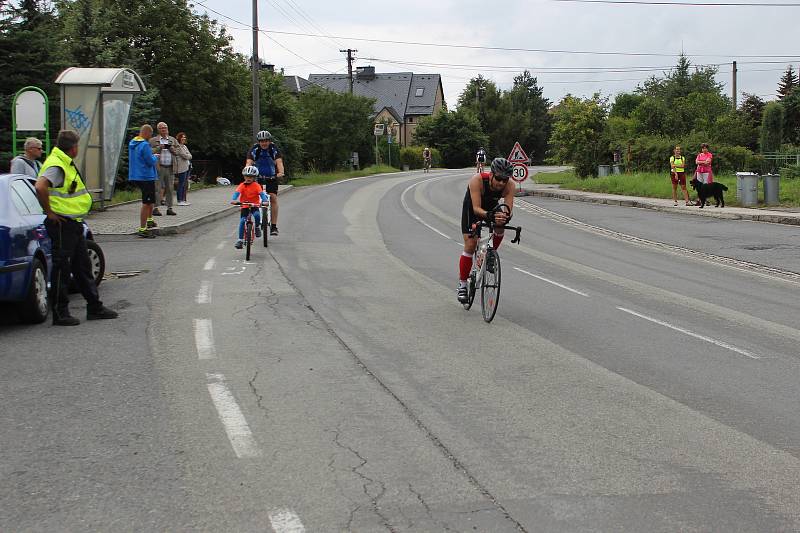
249, 191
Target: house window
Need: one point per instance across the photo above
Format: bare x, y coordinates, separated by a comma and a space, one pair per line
420, 91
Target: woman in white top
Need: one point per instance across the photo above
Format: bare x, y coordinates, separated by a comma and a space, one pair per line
182, 157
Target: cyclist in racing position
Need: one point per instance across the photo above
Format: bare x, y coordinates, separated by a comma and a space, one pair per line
269, 160
484, 192
480, 159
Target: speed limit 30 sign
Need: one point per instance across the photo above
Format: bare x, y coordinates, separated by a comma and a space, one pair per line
520, 172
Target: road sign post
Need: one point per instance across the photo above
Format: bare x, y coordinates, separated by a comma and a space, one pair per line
378, 131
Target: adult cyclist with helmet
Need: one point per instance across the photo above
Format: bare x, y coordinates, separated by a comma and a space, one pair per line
267, 157
484, 192
480, 159
426, 157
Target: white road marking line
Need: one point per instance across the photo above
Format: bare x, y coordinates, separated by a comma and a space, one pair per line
286, 521
204, 339
210, 264
692, 334
221, 245
551, 282
414, 216
204, 294
244, 445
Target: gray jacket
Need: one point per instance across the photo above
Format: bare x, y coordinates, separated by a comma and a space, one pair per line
183, 155
23, 165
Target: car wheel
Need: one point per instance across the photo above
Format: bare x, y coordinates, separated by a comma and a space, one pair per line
98, 261
36, 305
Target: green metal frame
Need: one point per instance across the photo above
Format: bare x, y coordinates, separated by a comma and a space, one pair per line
14, 147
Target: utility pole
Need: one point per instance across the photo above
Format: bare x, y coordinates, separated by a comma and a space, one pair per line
734, 85
350, 66
255, 67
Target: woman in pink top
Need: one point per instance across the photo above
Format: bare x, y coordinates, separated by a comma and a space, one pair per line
703, 161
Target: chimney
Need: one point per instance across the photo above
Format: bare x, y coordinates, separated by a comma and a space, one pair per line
365, 73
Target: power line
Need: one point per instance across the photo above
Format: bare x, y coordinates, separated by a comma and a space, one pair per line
660, 3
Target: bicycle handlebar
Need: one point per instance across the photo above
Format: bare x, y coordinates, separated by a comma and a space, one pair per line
250, 204
490, 224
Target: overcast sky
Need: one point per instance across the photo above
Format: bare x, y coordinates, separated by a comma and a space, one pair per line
706, 34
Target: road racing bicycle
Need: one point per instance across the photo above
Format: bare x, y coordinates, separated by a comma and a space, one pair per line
485, 273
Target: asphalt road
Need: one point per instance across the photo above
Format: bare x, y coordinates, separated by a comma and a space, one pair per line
640, 376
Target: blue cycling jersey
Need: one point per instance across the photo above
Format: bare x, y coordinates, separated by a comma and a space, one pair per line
264, 159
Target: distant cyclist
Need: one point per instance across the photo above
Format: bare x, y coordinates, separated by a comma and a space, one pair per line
484, 191
426, 156
480, 159
269, 160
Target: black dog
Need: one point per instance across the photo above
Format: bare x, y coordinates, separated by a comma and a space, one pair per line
706, 190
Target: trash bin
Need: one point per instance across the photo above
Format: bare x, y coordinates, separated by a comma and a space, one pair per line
772, 188
616, 169
603, 170
747, 188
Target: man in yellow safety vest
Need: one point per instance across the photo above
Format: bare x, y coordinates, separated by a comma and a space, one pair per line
66, 201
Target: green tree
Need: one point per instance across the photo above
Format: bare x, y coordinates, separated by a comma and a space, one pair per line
753, 107
336, 125
624, 104
772, 127
525, 118
484, 100
578, 133
788, 82
456, 134
791, 117
281, 115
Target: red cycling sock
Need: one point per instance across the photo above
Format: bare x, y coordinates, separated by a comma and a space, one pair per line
464, 266
497, 239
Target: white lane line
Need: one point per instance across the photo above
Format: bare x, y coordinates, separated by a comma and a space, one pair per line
204, 294
692, 334
221, 245
244, 445
286, 521
551, 282
204, 339
210, 264
414, 216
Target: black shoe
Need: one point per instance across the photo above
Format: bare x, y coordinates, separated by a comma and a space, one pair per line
101, 313
171, 212
64, 319
238, 245
258, 232
463, 294
273, 230
156, 212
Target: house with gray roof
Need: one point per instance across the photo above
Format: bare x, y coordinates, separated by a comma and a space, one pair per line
401, 97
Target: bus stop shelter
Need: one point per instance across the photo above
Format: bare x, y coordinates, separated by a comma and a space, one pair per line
96, 103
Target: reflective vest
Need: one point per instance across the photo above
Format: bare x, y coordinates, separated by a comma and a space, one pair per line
75, 204
679, 163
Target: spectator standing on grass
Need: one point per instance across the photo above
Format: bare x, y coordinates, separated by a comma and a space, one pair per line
703, 161
165, 146
183, 157
143, 171
28, 163
677, 166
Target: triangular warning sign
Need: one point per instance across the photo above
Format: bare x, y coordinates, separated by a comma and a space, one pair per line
517, 154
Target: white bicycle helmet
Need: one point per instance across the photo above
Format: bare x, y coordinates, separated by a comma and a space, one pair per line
250, 170
263, 135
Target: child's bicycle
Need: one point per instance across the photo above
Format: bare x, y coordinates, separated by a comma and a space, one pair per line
485, 273
250, 228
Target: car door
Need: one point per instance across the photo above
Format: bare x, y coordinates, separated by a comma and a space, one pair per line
31, 234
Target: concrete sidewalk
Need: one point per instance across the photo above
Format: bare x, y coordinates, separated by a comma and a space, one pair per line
774, 215
207, 205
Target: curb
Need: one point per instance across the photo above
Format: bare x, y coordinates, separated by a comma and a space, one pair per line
199, 221
627, 202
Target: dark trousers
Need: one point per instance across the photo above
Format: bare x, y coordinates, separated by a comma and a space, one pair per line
70, 256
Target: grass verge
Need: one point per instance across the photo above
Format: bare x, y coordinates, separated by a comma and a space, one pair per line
658, 185
320, 178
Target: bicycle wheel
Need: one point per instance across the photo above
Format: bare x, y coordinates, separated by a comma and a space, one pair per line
266, 215
470, 290
490, 285
248, 238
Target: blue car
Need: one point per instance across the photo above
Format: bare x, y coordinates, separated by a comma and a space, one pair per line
25, 249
